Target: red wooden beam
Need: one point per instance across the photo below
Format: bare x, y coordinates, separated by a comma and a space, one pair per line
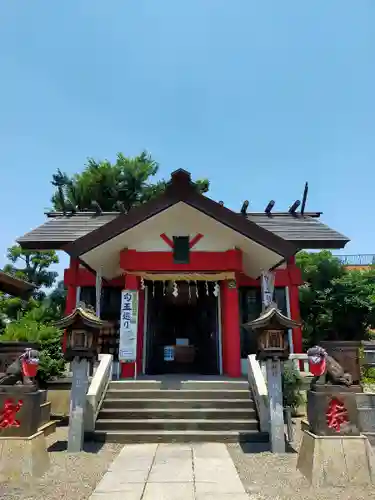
167, 240
131, 260
283, 277
195, 240
83, 277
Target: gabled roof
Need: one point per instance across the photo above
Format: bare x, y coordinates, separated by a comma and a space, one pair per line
271, 316
88, 318
15, 286
284, 233
181, 189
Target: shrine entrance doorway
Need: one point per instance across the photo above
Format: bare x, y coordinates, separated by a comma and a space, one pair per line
183, 330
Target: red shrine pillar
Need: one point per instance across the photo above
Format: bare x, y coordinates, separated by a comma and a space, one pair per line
295, 280
132, 282
70, 281
230, 318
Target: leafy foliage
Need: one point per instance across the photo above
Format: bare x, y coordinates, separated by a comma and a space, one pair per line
368, 375
336, 304
121, 185
30, 328
30, 320
55, 301
35, 265
292, 386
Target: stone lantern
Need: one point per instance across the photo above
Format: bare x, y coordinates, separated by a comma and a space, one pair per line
271, 328
82, 329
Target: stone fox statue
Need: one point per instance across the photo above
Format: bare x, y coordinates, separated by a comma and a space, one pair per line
15, 373
326, 369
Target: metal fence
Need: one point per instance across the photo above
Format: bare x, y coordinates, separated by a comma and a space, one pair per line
357, 260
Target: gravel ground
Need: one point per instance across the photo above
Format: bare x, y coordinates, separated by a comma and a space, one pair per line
70, 476
265, 476
269, 477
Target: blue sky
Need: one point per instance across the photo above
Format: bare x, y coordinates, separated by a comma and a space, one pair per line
258, 96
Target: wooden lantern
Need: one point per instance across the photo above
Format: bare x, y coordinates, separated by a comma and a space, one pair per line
272, 330
82, 328
273, 343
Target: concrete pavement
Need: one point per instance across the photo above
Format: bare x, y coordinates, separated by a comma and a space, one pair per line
172, 472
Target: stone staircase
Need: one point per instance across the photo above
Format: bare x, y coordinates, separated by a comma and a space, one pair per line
171, 410
47, 426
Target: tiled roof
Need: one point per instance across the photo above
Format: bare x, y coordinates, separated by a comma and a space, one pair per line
14, 286
61, 229
305, 231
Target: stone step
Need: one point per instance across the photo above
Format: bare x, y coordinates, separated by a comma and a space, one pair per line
178, 413
43, 396
177, 394
172, 436
177, 384
371, 437
118, 403
45, 413
176, 424
48, 428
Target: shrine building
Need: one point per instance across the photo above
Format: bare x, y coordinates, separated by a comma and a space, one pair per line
193, 267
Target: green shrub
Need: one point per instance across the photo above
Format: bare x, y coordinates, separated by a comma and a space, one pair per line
367, 373
292, 385
29, 329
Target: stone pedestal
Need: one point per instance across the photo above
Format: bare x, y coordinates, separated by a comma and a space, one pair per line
23, 458
275, 397
23, 403
77, 405
332, 411
336, 460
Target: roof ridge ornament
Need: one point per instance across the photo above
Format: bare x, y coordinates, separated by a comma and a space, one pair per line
180, 182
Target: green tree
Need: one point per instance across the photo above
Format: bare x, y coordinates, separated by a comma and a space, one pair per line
55, 301
114, 186
30, 266
336, 304
352, 304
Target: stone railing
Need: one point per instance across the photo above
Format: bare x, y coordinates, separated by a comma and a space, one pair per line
97, 389
298, 360
258, 386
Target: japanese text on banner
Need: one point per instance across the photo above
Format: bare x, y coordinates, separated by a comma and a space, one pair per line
128, 325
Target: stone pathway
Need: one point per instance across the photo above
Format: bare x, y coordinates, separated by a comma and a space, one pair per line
172, 472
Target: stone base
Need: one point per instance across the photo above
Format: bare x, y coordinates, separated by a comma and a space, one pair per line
318, 404
29, 414
23, 458
336, 460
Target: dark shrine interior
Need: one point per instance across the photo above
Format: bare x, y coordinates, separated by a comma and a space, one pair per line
186, 324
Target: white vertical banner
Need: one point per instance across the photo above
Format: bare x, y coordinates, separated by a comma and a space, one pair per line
98, 291
128, 326
290, 331
267, 281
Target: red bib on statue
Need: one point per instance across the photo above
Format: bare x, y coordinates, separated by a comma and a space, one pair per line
317, 369
29, 369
